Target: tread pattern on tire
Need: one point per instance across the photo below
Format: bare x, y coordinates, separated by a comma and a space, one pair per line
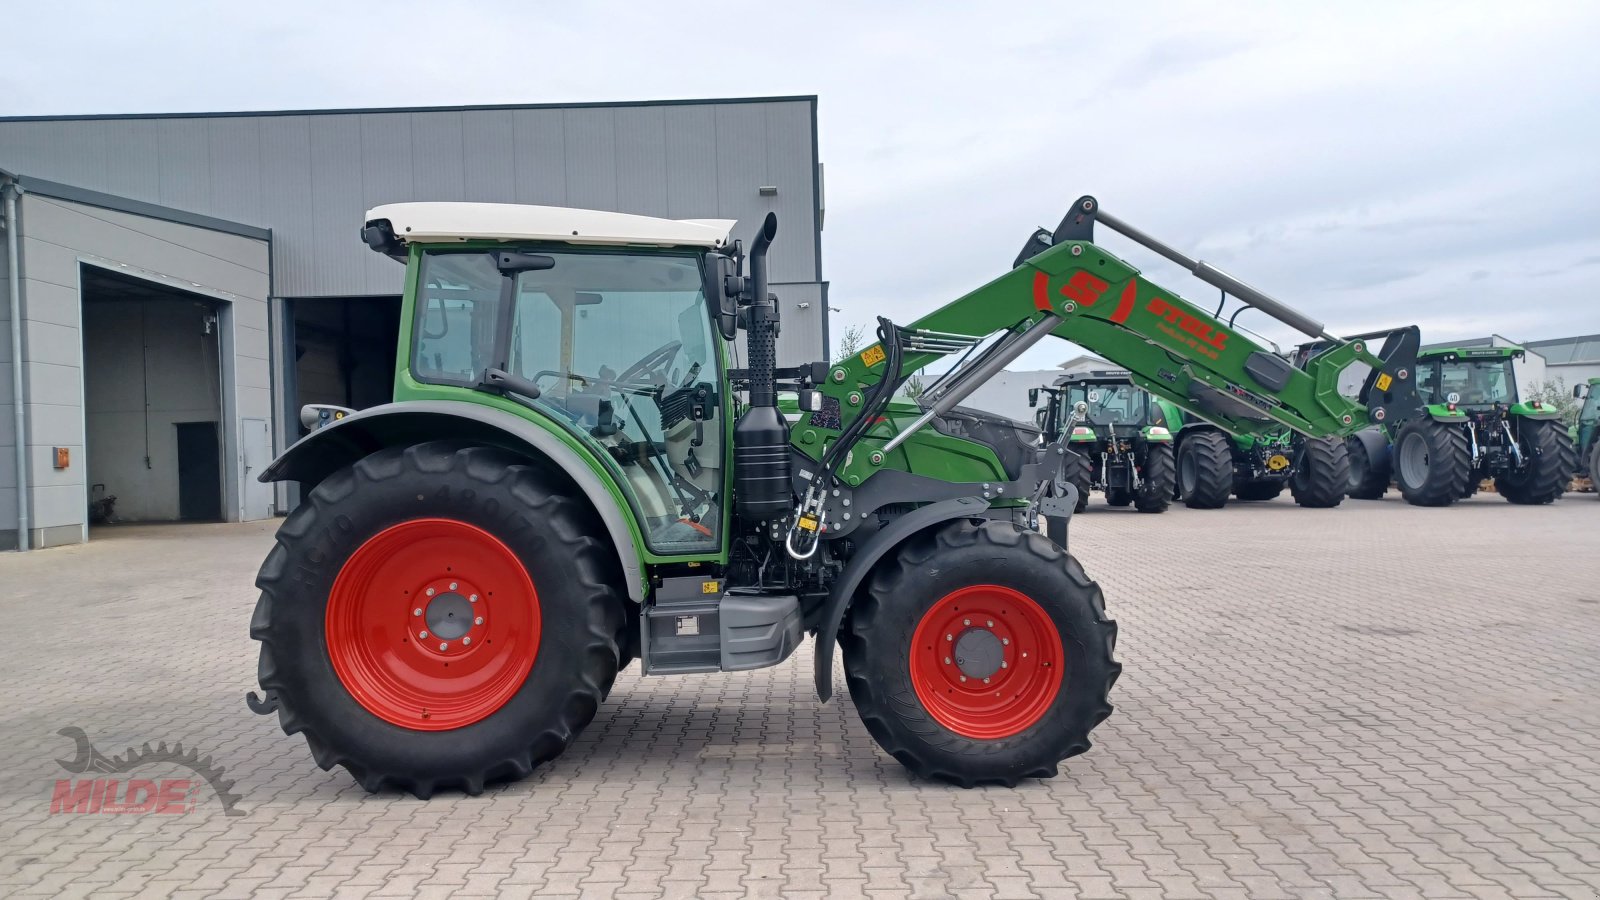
1449, 464
1213, 456
897, 720
1551, 467
285, 574
1081, 474
1160, 473
1323, 475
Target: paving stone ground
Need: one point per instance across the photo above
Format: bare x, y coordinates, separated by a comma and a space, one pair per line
1370, 701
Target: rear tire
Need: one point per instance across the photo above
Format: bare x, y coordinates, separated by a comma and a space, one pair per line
1160, 473
1266, 489
1551, 460
1432, 464
339, 623
1205, 469
1594, 468
1323, 474
1118, 497
1369, 478
1029, 593
1081, 475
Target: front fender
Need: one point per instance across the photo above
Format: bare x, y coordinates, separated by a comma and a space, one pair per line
327, 450
873, 549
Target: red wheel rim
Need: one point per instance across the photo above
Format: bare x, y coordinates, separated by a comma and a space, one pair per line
986, 662
432, 624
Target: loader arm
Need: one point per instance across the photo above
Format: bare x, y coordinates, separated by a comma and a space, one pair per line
1065, 285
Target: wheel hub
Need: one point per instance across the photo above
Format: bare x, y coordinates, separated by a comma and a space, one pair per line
450, 615
979, 653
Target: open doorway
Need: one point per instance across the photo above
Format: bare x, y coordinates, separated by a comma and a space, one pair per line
345, 350
154, 426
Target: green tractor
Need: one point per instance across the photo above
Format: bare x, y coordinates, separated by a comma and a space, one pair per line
1472, 428
574, 475
1585, 433
1212, 464
1120, 444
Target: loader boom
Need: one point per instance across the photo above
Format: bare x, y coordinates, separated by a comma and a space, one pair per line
1065, 285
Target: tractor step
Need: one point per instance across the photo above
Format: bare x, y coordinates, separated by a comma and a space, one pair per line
695, 627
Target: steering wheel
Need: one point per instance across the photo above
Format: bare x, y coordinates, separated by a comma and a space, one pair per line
651, 364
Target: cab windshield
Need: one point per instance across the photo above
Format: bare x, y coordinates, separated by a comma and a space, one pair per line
1111, 404
1476, 382
620, 345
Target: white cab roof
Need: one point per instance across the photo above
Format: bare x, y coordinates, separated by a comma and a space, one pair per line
441, 222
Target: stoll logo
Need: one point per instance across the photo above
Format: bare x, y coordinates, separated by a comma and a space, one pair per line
108, 787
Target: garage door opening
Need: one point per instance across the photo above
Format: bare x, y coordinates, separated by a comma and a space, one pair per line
153, 400
344, 350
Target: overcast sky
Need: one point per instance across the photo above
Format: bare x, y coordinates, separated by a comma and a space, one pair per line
1373, 164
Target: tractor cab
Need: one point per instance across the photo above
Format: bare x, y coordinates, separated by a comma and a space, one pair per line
596, 323
1116, 406
1475, 379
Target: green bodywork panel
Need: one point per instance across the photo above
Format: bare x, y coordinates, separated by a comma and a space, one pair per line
1587, 429
1166, 343
1469, 353
1156, 438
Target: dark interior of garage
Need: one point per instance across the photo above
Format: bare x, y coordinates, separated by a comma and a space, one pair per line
152, 400
344, 350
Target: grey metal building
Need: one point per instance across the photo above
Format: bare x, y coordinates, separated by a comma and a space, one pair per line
185, 282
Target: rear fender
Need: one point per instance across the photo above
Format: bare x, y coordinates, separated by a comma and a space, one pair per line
329, 449
1376, 443
1527, 411
855, 572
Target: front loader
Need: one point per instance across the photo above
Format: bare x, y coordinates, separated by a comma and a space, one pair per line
1122, 444
574, 475
1472, 428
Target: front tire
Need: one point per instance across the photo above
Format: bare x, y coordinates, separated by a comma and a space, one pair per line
485, 556
1432, 464
1323, 474
1028, 645
1081, 474
1160, 474
1550, 462
1205, 469
1369, 477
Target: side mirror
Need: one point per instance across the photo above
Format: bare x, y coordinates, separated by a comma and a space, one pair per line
1033, 397
720, 302
1580, 391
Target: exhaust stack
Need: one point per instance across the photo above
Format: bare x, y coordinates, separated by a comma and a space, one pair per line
761, 436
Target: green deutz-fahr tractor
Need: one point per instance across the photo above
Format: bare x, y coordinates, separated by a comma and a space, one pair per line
1585, 433
1472, 428
573, 476
1120, 444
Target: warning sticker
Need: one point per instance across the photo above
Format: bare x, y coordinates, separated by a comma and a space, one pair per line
1384, 381
808, 523
872, 356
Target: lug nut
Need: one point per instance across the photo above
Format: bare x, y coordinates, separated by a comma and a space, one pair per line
1002, 664
417, 611
423, 635
1005, 641
949, 637
444, 646
989, 624
963, 679
947, 660
429, 592
478, 621
473, 599
966, 621
452, 585
986, 681
467, 641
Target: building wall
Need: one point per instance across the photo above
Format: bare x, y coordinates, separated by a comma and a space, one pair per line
56, 237
311, 177
1006, 394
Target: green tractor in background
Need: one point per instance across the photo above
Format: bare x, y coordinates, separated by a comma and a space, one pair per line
1212, 464
1585, 433
1472, 428
1122, 444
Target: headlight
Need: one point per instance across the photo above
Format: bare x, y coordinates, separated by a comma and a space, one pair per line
1158, 431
